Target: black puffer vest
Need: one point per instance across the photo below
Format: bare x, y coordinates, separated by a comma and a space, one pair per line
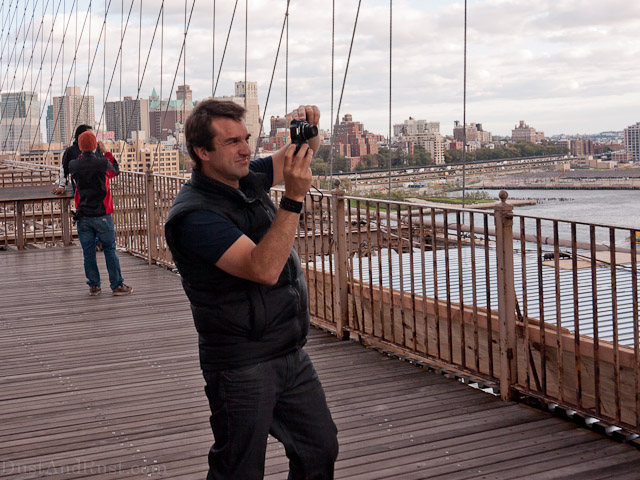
239, 322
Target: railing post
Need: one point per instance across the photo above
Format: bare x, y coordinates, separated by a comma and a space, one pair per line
20, 226
150, 201
66, 222
340, 257
506, 295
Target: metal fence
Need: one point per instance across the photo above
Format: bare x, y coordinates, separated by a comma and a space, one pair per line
544, 308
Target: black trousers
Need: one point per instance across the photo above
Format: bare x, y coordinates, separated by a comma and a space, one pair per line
282, 397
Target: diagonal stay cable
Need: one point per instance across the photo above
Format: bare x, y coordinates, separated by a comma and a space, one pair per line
43, 55
24, 79
344, 81
175, 75
42, 59
44, 103
93, 60
71, 70
275, 63
10, 130
15, 44
144, 70
224, 52
118, 56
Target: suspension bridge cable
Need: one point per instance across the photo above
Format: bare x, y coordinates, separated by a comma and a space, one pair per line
464, 111
390, 84
102, 31
184, 77
344, 81
41, 64
15, 43
273, 72
246, 42
15, 46
10, 131
225, 48
333, 55
175, 75
77, 46
141, 79
43, 54
213, 48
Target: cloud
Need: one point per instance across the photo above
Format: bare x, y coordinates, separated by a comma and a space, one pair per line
562, 65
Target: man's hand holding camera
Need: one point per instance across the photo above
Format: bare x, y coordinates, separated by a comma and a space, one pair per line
297, 160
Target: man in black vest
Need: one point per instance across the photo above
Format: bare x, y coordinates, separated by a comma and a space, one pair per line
234, 251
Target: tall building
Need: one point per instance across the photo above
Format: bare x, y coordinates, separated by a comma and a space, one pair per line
353, 141
420, 132
184, 93
166, 117
127, 116
413, 127
524, 133
247, 96
49, 123
474, 131
19, 121
632, 141
70, 111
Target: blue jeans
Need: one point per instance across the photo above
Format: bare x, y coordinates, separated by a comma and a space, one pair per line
282, 397
90, 228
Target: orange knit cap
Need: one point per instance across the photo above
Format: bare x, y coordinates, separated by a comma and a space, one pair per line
87, 141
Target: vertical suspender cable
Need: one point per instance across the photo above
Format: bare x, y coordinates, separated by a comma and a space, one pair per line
344, 80
75, 43
273, 72
464, 111
333, 54
246, 41
133, 109
184, 78
213, 48
233, 15
286, 66
390, 71
54, 67
17, 62
104, 65
64, 5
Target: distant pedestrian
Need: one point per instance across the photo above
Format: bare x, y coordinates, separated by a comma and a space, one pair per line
90, 174
71, 153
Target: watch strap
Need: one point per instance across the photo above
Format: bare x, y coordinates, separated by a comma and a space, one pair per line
290, 205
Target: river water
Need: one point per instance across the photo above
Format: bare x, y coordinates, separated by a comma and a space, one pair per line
619, 208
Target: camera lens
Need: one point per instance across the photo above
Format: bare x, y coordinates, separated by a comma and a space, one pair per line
308, 131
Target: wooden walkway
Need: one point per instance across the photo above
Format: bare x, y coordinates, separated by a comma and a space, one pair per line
110, 387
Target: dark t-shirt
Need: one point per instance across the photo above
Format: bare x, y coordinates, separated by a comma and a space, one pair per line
210, 235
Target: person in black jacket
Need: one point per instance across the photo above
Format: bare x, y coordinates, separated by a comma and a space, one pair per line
71, 153
234, 251
90, 174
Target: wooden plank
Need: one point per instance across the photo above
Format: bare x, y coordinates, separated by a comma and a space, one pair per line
99, 387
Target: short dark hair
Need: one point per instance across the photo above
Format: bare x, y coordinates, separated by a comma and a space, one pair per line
81, 129
198, 130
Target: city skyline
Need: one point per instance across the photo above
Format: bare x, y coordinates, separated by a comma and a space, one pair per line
561, 67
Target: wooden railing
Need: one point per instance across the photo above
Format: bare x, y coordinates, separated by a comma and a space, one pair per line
540, 307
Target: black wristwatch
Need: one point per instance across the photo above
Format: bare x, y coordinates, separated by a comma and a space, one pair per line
290, 205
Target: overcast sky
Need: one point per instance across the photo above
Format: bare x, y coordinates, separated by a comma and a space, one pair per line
563, 66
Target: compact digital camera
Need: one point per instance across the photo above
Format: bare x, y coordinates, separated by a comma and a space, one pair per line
301, 132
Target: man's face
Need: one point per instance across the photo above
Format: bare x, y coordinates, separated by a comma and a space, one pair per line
229, 162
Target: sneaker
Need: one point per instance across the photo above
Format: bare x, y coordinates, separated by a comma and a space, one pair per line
122, 290
93, 291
